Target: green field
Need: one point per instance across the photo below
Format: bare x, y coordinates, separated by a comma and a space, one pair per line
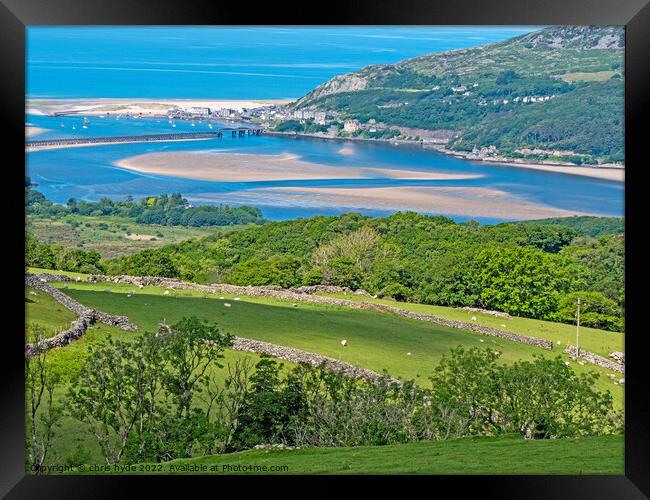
376, 340
49, 314
111, 236
601, 342
503, 455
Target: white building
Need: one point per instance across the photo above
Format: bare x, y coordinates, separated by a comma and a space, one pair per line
351, 126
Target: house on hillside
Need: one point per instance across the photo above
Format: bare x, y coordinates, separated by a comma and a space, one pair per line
351, 126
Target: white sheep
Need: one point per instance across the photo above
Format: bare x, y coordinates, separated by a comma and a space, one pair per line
344, 342
481, 340
408, 353
236, 298
473, 318
166, 292
226, 304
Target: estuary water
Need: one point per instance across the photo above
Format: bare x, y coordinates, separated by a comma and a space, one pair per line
252, 63
89, 173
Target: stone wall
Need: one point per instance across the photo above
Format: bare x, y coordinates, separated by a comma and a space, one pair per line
298, 356
498, 314
303, 294
591, 357
87, 316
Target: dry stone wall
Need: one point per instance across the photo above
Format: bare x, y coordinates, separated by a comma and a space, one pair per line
87, 316
298, 356
602, 361
307, 294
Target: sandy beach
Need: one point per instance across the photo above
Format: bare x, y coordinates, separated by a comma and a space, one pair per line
249, 168
460, 201
31, 131
97, 106
605, 173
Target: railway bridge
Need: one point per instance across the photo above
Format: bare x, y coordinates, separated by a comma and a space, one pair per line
176, 136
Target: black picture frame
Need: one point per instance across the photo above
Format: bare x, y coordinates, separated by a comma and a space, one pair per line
15, 15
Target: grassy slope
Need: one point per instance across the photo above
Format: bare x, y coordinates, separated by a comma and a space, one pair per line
51, 315
599, 341
503, 455
112, 241
375, 340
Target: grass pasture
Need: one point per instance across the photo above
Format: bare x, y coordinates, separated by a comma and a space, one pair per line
111, 236
49, 314
376, 340
491, 456
601, 342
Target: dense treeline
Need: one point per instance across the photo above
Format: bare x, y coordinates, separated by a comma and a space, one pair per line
528, 269
158, 398
172, 210
588, 120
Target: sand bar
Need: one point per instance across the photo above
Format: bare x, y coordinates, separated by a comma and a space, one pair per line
97, 106
225, 167
460, 201
31, 131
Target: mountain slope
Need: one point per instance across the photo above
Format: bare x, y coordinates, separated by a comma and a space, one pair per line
560, 88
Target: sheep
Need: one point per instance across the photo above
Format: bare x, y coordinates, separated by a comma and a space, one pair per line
408, 353
236, 298
166, 292
344, 342
473, 318
226, 304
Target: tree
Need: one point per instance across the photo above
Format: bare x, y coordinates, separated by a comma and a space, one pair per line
189, 348
43, 415
105, 398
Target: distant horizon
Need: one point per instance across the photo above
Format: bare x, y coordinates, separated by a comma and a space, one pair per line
85, 62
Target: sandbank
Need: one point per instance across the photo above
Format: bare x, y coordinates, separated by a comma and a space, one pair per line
459, 201
226, 167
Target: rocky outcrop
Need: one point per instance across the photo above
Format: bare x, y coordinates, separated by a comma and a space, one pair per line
591, 357
298, 356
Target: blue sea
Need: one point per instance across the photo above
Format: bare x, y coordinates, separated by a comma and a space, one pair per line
251, 63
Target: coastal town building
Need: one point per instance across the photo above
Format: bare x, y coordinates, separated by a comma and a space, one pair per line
351, 126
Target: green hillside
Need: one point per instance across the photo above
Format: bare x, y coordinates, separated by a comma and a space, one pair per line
550, 93
531, 270
504, 455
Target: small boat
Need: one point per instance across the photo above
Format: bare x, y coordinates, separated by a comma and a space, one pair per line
62, 125
74, 128
85, 126
193, 124
174, 125
86, 121
209, 125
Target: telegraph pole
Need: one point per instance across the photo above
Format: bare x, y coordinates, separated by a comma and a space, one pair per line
578, 330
